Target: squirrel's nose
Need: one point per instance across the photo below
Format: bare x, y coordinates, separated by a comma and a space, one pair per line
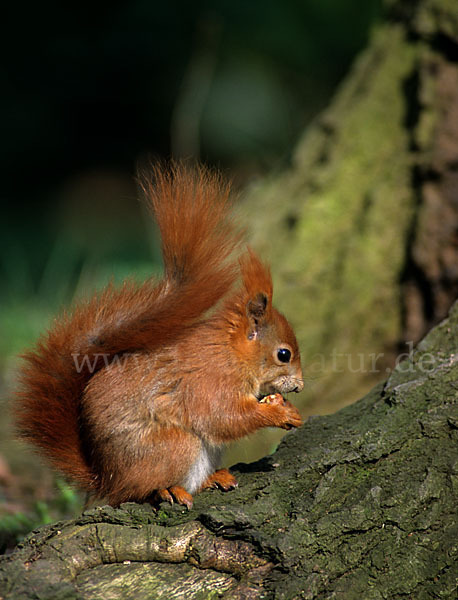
299, 386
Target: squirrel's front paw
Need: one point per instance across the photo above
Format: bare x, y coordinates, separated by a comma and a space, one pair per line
292, 416
287, 416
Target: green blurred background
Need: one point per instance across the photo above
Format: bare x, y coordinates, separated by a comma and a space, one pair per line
90, 91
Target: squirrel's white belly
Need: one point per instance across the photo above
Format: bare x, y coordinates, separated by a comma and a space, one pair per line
206, 463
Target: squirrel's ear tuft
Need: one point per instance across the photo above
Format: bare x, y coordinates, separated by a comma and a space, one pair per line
256, 277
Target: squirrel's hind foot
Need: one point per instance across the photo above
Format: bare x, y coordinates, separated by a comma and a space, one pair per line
222, 479
173, 494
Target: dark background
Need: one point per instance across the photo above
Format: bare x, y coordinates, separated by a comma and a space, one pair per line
89, 90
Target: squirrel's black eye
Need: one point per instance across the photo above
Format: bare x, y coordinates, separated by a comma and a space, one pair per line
284, 355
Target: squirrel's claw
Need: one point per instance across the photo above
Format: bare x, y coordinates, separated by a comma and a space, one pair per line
222, 479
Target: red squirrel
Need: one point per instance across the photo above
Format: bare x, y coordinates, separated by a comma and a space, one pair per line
136, 391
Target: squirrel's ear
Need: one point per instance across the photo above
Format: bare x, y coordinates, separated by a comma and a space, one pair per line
256, 307
256, 310
257, 283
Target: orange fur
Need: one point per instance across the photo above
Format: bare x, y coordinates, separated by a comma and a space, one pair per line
133, 393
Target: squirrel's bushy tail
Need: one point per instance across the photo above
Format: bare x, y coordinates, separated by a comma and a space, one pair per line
199, 241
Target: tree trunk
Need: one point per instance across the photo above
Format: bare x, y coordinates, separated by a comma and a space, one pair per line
360, 504
362, 231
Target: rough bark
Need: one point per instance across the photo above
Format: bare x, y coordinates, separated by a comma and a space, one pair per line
360, 504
